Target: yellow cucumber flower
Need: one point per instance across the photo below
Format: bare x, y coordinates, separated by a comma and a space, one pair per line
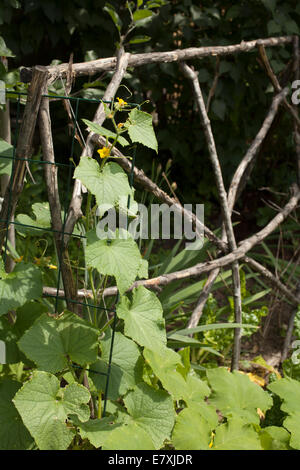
52, 266
104, 152
121, 102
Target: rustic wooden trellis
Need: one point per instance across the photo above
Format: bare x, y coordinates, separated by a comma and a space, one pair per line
229, 252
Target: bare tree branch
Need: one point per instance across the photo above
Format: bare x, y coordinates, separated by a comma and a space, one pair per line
245, 167
276, 83
193, 78
136, 60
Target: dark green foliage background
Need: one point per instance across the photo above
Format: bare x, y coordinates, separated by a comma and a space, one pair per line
38, 31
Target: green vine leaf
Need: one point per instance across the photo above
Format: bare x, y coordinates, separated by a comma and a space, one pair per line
13, 433
12, 332
6, 156
19, 286
191, 431
288, 390
196, 390
164, 363
275, 438
45, 407
292, 424
236, 435
235, 395
140, 129
152, 410
109, 185
4, 51
126, 366
94, 127
95, 430
42, 219
118, 257
129, 436
50, 341
143, 318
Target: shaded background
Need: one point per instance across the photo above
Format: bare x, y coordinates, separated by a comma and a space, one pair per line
40, 31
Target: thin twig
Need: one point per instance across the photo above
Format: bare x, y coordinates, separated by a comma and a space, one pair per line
276, 83
214, 84
246, 165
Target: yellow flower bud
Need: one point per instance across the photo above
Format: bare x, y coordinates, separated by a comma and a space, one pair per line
121, 102
104, 152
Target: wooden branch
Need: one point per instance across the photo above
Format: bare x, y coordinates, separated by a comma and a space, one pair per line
39, 80
214, 85
198, 310
246, 165
193, 78
276, 83
54, 202
273, 280
74, 212
136, 60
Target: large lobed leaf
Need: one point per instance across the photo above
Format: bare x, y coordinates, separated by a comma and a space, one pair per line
19, 286
13, 433
45, 407
165, 364
126, 366
152, 410
192, 431
50, 341
289, 391
109, 185
236, 435
143, 318
118, 257
140, 129
235, 395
